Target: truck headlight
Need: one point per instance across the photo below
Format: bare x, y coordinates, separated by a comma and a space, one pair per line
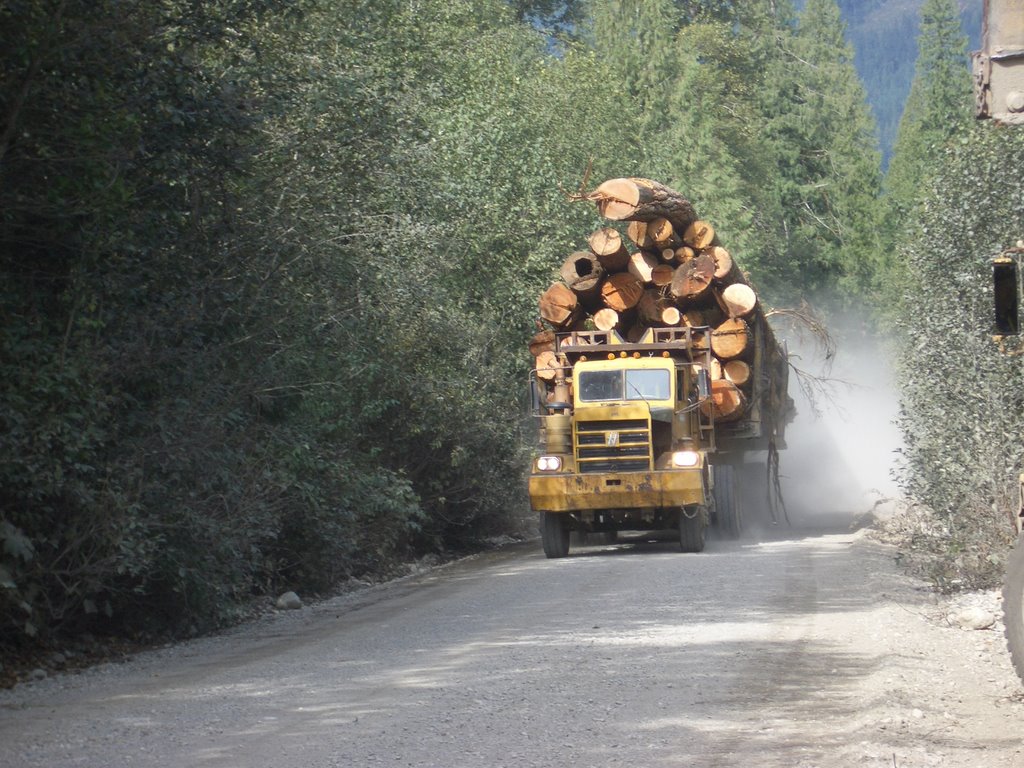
685, 459
549, 463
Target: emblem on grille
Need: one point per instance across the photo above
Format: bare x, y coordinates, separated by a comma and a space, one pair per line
611, 439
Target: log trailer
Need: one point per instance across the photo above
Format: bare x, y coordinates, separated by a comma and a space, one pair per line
631, 439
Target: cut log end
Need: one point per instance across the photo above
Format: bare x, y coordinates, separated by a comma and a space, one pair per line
739, 300
699, 235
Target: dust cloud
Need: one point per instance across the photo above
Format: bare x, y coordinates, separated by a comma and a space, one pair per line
837, 463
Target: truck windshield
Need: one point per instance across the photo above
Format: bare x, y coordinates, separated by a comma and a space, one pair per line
639, 384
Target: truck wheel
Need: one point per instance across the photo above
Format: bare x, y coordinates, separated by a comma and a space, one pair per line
693, 529
1013, 606
728, 516
554, 534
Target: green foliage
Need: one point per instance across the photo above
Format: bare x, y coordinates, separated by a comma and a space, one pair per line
829, 175
961, 395
939, 107
267, 269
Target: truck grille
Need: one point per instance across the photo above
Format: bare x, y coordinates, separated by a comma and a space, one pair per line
613, 446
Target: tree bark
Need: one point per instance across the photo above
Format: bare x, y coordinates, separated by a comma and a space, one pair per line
693, 318
642, 200
621, 291
559, 306
607, 245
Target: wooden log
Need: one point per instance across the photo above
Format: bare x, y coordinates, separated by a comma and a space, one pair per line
637, 232
583, 273
642, 200
727, 402
607, 245
739, 300
730, 339
724, 265
635, 333
544, 341
693, 279
715, 371
641, 265
663, 234
693, 318
547, 366
559, 306
699, 235
684, 254
737, 371
662, 275
667, 254
621, 291
605, 319
671, 315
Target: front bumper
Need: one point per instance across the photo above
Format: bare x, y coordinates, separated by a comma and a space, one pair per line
620, 490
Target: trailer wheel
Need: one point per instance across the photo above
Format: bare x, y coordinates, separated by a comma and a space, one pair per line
554, 534
693, 529
728, 515
1013, 606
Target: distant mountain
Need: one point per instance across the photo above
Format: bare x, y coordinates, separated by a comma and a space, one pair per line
884, 36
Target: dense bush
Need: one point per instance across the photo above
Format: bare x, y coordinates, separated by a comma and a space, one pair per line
963, 401
267, 267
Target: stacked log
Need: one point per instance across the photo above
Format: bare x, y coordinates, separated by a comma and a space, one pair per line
666, 269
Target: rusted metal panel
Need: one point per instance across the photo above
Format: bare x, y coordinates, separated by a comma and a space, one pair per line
998, 67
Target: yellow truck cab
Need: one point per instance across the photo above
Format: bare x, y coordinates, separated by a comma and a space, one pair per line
625, 438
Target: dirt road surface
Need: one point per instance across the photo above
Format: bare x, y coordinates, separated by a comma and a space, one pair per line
808, 648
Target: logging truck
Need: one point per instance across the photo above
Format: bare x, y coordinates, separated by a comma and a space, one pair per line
638, 436
999, 95
657, 374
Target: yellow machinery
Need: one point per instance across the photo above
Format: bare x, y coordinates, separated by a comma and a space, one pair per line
625, 439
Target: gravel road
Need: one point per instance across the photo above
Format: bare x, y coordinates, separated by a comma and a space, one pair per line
807, 649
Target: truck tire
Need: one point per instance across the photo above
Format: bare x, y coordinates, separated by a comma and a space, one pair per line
1013, 606
554, 534
693, 529
728, 516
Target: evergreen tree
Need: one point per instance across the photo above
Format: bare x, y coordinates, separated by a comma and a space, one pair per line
829, 165
938, 107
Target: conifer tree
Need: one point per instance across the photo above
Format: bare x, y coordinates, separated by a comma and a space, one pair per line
937, 108
829, 165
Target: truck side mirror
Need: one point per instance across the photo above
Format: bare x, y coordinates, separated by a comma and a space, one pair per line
1007, 299
703, 384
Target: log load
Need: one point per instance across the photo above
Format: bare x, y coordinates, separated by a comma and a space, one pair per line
667, 268
583, 273
642, 200
606, 244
